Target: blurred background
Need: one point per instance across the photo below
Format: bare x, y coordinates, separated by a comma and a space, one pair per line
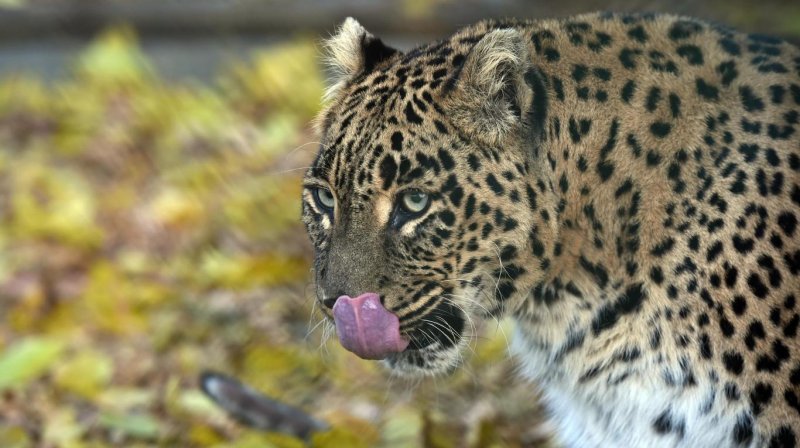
150, 161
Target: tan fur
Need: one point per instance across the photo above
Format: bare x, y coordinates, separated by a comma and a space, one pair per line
383, 209
343, 55
498, 60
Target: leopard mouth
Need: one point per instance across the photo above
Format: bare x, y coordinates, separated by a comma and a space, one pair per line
366, 328
431, 360
416, 344
431, 343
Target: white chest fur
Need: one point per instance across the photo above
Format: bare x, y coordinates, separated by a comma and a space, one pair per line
600, 413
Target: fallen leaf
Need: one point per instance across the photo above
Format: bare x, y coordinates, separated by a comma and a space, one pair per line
27, 359
86, 374
140, 426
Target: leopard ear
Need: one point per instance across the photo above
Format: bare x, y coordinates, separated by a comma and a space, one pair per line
490, 96
351, 51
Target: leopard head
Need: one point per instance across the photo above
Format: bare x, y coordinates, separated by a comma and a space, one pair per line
420, 204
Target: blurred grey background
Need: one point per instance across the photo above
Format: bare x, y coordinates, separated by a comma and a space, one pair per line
193, 38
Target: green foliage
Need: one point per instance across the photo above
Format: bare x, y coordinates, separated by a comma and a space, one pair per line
137, 426
26, 360
151, 230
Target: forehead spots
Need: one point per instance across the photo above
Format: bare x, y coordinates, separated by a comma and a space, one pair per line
397, 141
447, 161
387, 171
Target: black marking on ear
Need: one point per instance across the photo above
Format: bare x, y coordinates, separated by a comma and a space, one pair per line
537, 115
374, 52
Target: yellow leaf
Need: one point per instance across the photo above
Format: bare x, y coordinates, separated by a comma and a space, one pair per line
403, 427
62, 428
174, 208
119, 399
279, 370
26, 313
245, 271
14, 437
257, 439
339, 436
86, 374
204, 435
255, 200
117, 303
51, 203
273, 76
114, 57
24, 93
278, 440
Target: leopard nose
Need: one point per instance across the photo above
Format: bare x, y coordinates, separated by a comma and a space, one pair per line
330, 299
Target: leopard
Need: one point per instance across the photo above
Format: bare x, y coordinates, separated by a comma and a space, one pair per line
625, 188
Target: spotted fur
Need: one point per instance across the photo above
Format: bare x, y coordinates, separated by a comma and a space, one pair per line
626, 187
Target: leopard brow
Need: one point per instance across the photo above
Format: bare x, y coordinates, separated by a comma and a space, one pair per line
313, 182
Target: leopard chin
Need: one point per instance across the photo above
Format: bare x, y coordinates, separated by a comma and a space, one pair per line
433, 360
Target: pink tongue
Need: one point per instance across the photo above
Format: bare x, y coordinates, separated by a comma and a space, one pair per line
366, 328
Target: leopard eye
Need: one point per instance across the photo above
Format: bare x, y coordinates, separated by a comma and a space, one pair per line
324, 198
414, 201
